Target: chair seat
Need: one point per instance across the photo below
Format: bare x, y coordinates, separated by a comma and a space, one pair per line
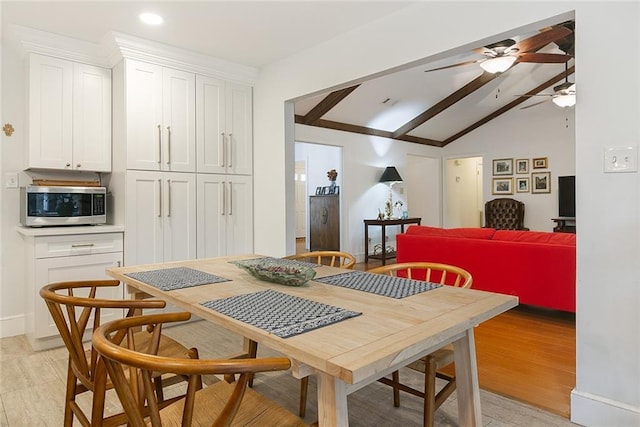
443, 357
255, 409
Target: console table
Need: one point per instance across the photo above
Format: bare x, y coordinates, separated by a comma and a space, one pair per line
384, 223
564, 225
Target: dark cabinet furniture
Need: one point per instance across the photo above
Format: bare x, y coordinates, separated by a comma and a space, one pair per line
324, 223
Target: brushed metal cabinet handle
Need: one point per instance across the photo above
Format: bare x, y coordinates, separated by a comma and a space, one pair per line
159, 144
169, 197
230, 150
159, 198
224, 197
82, 245
224, 150
168, 144
230, 198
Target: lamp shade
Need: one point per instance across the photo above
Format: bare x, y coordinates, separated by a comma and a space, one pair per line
390, 174
498, 64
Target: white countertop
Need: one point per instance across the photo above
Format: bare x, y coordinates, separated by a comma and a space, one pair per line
69, 229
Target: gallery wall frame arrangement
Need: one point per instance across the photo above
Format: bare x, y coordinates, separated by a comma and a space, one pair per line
541, 182
502, 186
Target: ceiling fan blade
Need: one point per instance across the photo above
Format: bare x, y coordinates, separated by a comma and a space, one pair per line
534, 104
544, 58
542, 39
455, 65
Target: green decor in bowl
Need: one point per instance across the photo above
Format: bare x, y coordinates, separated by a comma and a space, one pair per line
283, 272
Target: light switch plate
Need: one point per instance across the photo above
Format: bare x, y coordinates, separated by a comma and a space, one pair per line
621, 159
11, 180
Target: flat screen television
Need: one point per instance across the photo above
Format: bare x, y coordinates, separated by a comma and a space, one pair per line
567, 196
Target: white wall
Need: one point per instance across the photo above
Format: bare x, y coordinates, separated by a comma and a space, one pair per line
608, 326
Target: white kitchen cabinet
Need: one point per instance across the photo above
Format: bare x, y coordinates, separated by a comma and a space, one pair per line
69, 115
224, 127
225, 215
160, 217
60, 258
160, 118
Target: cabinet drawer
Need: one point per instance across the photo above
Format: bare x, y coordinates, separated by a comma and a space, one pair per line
77, 244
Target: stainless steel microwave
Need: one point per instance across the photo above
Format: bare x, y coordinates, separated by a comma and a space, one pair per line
48, 206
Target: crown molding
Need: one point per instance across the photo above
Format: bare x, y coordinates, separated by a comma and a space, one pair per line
114, 47
121, 46
30, 40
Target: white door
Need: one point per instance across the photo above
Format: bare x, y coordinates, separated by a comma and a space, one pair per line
211, 225
178, 121
144, 115
463, 192
144, 218
179, 216
91, 118
210, 121
301, 198
239, 215
423, 184
239, 129
50, 112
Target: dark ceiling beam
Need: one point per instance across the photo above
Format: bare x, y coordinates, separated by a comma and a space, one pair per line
447, 102
327, 104
366, 131
511, 105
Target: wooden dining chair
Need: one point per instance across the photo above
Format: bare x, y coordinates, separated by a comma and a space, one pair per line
431, 364
76, 309
330, 258
218, 404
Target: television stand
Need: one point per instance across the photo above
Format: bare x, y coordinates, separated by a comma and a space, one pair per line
564, 224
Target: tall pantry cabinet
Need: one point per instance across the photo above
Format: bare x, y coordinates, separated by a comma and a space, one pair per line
183, 160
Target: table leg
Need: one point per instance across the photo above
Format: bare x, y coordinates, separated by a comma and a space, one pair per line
332, 401
366, 243
467, 386
384, 244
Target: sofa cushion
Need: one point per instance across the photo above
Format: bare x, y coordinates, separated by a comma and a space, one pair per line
535, 237
462, 232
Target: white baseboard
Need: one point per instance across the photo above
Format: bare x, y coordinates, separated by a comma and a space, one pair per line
592, 410
11, 326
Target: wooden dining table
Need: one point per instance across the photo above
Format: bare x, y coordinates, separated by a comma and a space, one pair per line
345, 356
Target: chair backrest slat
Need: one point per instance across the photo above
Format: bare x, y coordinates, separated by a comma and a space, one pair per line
428, 271
330, 258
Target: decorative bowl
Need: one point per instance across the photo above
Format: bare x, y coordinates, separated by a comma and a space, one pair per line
278, 272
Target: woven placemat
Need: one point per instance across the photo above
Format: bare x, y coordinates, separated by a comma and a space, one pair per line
380, 284
170, 279
278, 313
277, 261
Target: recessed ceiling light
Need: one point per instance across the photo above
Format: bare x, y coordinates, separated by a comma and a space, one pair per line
151, 18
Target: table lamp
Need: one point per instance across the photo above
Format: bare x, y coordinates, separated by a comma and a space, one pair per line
390, 176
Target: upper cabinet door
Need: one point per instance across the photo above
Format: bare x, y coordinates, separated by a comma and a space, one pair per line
224, 123
239, 129
178, 121
144, 115
91, 118
50, 113
210, 123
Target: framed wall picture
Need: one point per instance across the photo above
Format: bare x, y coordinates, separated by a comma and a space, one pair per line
503, 167
522, 166
502, 186
540, 163
522, 185
541, 182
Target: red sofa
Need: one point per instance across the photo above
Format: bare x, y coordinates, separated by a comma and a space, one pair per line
538, 267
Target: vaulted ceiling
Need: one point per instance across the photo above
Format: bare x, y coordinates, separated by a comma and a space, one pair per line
437, 103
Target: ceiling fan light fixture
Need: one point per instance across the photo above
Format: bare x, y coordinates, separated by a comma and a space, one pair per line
564, 101
499, 64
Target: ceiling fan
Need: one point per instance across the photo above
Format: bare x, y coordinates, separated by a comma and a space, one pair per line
564, 94
503, 54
